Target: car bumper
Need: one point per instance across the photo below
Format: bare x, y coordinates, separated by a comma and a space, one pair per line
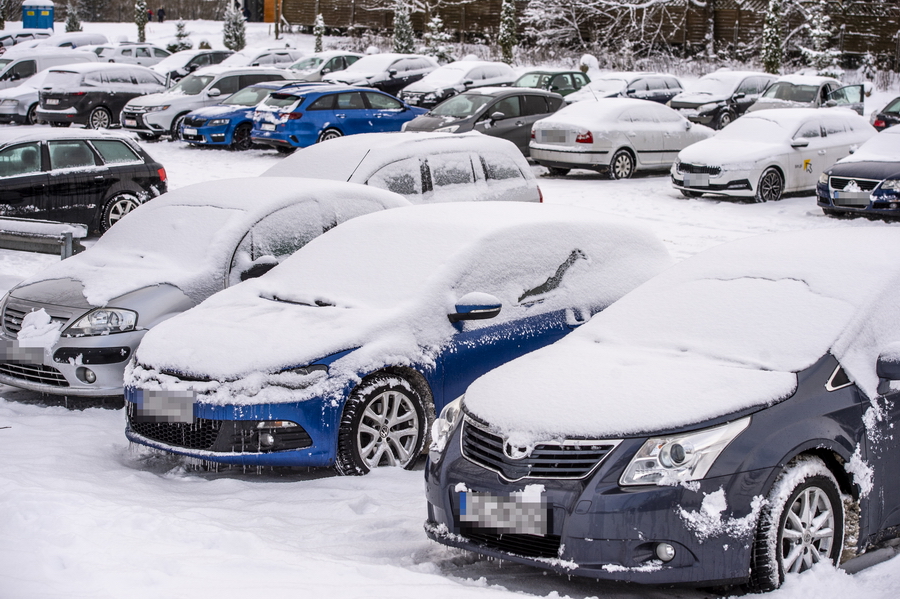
730, 183
69, 115
147, 122
10, 114
207, 136
569, 158
601, 530
878, 203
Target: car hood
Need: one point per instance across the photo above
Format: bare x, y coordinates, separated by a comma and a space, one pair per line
717, 151
423, 88
161, 98
18, 92
57, 292
221, 111
693, 100
767, 103
426, 122
866, 170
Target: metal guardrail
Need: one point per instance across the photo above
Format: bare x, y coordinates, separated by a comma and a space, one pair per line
41, 236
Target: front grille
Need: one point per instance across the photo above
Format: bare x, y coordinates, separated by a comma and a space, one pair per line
569, 459
524, 545
840, 183
200, 434
698, 169
35, 373
15, 311
194, 121
187, 137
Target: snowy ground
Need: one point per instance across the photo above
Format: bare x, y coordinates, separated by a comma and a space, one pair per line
84, 515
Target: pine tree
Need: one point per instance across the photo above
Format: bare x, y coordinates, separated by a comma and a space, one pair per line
772, 38
73, 22
319, 31
404, 37
140, 19
182, 41
437, 40
508, 25
234, 34
820, 55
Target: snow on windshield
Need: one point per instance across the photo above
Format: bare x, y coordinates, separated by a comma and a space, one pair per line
607, 84
714, 85
374, 63
446, 75
757, 127
783, 90
192, 85
461, 106
883, 147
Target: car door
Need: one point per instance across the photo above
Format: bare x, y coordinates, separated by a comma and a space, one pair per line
352, 115
23, 181
387, 113
676, 132
658, 91
641, 128
78, 181
746, 94
638, 89
510, 125
849, 96
126, 55
809, 160
143, 57
226, 86
450, 177
392, 84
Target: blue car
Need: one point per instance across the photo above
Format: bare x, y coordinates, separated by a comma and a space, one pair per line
341, 355
298, 117
228, 124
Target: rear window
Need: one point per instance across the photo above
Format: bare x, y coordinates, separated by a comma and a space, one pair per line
282, 100
62, 79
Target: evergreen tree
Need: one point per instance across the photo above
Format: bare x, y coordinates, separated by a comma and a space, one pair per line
319, 31
772, 38
508, 25
73, 22
140, 19
182, 41
820, 55
3, 7
437, 40
234, 34
404, 37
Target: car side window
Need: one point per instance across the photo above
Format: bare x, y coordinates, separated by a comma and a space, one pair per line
126, 52
499, 167
639, 85
534, 105
580, 80
452, 168
248, 80
656, 83
146, 78
539, 293
142, 52
122, 77
24, 69
382, 101
350, 101
323, 103
478, 74
508, 106
72, 153
332, 65
20, 160
808, 131
403, 177
227, 85
114, 151
642, 114
160, 53
833, 126
561, 83
662, 115
672, 83
748, 86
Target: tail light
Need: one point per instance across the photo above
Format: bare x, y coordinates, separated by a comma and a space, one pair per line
540, 195
879, 124
532, 134
293, 116
76, 93
585, 138
161, 171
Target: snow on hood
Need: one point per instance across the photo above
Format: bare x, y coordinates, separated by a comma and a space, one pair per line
882, 147
220, 110
724, 331
187, 237
385, 284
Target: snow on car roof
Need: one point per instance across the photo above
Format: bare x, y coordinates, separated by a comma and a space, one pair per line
599, 111
218, 69
805, 79
88, 67
186, 237
357, 157
385, 284
722, 332
38, 133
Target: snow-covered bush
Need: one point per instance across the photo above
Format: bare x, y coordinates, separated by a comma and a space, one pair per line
73, 22
318, 32
820, 54
234, 35
772, 38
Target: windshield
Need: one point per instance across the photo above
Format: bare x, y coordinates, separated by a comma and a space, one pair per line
249, 96
307, 64
461, 106
105, 51
756, 128
173, 61
792, 93
532, 80
446, 75
893, 107
371, 64
713, 86
62, 79
884, 147
192, 85
607, 85
4, 61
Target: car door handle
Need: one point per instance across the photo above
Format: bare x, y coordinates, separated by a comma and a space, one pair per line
520, 123
821, 152
341, 116
98, 177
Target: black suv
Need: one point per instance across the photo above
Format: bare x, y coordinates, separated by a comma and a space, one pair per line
79, 176
93, 94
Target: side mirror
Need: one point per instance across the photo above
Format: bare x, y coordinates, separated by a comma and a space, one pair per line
630, 92
214, 93
325, 71
687, 124
497, 116
476, 306
14, 76
392, 73
800, 143
192, 67
830, 104
888, 367
258, 270
739, 95
468, 82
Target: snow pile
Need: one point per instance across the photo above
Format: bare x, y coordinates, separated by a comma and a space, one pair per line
708, 521
862, 473
383, 285
745, 317
38, 330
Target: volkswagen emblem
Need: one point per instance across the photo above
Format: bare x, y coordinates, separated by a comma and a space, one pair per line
514, 452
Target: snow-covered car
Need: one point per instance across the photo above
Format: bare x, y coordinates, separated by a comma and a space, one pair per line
388, 72
263, 57
811, 91
11, 38
763, 155
71, 329
16, 70
887, 116
867, 181
163, 113
719, 98
422, 167
315, 66
618, 136
706, 429
456, 77
656, 87
132, 53
559, 81
186, 62
341, 355
504, 112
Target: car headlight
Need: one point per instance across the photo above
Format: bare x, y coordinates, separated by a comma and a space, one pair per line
157, 108
891, 185
103, 321
403, 126
443, 424
680, 458
218, 122
450, 129
9, 102
430, 97
823, 178
707, 107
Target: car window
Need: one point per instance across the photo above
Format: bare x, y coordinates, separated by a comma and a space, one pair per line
142, 52
643, 114
580, 80
200, 61
333, 65
664, 115
126, 52
120, 77
534, 105
401, 65
499, 167
113, 151
247, 80
351, 59
539, 293
145, 77
833, 126
350, 101
323, 103
656, 83
808, 131
24, 69
508, 106
639, 85
383, 101
20, 160
403, 177
95, 78
561, 83
452, 168
850, 94
160, 53
227, 85
73, 153
672, 83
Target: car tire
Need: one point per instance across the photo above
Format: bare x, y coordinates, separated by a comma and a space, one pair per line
285, 150
175, 131
329, 134
691, 194
801, 524
58, 124
555, 171
148, 136
31, 116
99, 118
240, 140
831, 212
383, 425
770, 187
622, 165
726, 117
116, 207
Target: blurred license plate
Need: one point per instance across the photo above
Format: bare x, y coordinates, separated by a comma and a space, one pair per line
509, 515
131, 122
696, 179
190, 131
554, 137
165, 406
52, 101
267, 127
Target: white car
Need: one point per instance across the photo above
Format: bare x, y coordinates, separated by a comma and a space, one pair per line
163, 114
454, 78
766, 154
131, 53
315, 66
183, 63
423, 167
263, 57
811, 91
618, 136
657, 87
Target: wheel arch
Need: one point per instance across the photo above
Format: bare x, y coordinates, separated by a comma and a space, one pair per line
781, 171
828, 452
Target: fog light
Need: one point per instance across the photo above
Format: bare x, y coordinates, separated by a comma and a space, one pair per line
86, 375
267, 440
665, 552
